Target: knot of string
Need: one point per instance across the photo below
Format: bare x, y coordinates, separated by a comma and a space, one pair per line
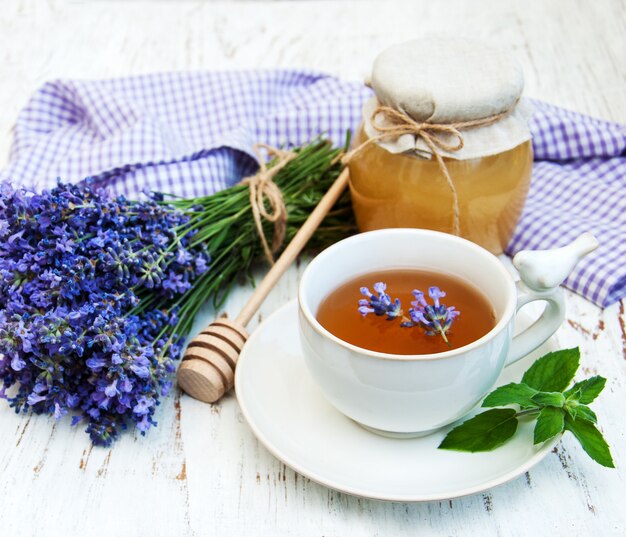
266, 199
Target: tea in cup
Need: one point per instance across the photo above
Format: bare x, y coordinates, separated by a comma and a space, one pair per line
404, 393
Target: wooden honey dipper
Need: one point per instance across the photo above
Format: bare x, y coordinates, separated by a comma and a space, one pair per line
208, 368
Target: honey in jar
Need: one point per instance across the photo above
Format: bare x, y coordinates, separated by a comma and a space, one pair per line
397, 182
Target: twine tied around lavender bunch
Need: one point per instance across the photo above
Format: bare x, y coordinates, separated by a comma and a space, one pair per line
263, 188
431, 134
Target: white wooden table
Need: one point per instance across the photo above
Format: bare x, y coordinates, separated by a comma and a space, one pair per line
202, 472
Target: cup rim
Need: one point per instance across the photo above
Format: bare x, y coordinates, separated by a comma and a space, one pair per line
506, 317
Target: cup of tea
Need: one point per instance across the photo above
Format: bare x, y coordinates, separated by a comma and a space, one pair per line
412, 394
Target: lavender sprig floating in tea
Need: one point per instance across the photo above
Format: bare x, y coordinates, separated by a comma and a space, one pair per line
381, 304
435, 319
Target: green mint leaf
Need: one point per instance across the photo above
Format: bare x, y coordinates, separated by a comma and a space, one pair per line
587, 390
591, 440
483, 432
556, 399
583, 412
554, 371
550, 422
510, 394
573, 394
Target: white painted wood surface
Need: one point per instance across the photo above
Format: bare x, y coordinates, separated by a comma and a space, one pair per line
202, 472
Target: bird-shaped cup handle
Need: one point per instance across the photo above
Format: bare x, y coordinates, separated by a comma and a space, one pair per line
541, 273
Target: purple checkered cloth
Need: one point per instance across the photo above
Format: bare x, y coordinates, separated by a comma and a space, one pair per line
191, 134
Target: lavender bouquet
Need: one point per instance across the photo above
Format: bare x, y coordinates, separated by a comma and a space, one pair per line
97, 293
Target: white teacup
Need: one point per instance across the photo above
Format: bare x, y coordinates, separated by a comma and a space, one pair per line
412, 395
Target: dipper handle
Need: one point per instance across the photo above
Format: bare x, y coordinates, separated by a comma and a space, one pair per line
208, 367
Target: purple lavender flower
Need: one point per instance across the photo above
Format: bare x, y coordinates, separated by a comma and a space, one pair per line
76, 267
436, 319
143, 405
176, 283
201, 264
379, 305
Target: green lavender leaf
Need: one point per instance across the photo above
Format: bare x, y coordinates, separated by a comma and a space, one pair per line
483, 432
511, 394
223, 223
556, 399
554, 371
578, 411
591, 440
587, 390
550, 422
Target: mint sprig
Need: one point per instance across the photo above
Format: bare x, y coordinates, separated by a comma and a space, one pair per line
542, 395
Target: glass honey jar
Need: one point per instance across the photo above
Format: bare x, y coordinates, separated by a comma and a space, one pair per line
463, 101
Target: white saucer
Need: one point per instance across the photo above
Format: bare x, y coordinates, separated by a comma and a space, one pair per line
290, 416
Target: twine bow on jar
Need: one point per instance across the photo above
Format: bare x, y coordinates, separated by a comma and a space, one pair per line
434, 135
263, 189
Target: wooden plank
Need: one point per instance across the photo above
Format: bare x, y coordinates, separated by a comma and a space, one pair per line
202, 472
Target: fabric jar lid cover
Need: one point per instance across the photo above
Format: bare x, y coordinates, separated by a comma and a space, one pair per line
450, 80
